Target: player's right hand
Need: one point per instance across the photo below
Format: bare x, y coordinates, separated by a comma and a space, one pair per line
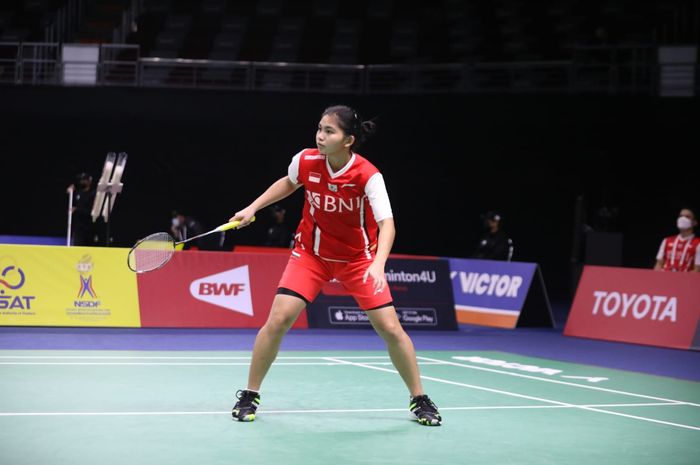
245, 216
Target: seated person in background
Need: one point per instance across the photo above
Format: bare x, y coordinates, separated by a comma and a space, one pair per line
279, 234
680, 252
184, 227
494, 244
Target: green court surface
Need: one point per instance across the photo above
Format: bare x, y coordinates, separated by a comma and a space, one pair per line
125, 407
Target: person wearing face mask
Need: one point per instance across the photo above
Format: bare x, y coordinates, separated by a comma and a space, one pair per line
494, 243
682, 251
83, 231
184, 227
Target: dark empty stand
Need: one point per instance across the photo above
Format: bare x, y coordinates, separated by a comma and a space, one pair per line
367, 31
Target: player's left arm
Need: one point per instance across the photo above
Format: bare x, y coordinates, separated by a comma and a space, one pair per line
376, 192
385, 241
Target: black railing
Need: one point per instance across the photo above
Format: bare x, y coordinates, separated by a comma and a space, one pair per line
596, 70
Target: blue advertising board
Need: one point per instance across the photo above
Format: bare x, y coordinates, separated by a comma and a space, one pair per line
421, 292
498, 293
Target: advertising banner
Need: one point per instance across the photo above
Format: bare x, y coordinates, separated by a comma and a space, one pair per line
636, 305
212, 290
498, 293
421, 291
66, 286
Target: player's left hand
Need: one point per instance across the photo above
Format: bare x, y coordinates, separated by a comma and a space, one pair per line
376, 272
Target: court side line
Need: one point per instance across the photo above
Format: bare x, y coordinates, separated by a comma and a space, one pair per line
172, 357
155, 364
195, 363
540, 399
556, 381
226, 412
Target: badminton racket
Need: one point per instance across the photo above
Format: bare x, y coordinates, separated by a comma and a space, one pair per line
154, 251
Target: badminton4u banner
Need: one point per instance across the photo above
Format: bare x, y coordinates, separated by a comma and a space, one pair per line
66, 286
640, 306
421, 293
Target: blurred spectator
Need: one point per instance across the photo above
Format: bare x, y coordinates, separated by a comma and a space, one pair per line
279, 234
682, 251
494, 243
184, 227
83, 229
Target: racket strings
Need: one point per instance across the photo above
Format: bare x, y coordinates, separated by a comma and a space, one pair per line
152, 252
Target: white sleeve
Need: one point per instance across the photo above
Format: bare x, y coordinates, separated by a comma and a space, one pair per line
378, 197
293, 170
697, 256
662, 249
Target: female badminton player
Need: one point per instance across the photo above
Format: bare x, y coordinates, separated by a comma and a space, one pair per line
346, 232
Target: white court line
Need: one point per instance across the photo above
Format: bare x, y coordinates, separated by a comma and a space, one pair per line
155, 364
523, 396
556, 381
226, 412
198, 363
169, 357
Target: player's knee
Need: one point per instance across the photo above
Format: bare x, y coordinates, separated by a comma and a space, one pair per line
280, 320
391, 333
279, 323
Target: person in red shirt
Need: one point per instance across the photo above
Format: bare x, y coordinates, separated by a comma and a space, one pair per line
680, 252
346, 233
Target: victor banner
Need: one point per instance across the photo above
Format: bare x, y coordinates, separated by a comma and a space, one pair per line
498, 293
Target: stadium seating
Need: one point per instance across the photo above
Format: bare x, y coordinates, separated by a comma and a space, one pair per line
365, 32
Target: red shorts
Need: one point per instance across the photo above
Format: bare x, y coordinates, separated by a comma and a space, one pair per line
306, 274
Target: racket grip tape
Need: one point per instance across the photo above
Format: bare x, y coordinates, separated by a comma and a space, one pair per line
231, 225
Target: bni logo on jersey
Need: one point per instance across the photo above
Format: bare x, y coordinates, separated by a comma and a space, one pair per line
228, 289
87, 297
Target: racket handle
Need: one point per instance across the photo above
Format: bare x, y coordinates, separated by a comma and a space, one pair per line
231, 225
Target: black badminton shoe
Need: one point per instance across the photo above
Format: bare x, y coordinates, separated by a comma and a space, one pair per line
425, 411
248, 402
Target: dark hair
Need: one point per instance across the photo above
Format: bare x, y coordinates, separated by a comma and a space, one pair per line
351, 123
80, 176
691, 208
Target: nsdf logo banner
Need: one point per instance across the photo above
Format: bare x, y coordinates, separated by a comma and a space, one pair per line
212, 290
639, 306
66, 286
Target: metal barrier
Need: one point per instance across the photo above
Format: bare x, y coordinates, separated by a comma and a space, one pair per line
594, 70
119, 65
29, 63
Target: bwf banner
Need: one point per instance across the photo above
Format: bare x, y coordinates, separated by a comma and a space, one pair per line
639, 306
498, 293
420, 289
212, 290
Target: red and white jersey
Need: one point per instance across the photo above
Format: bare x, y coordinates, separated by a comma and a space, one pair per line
680, 254
342, 208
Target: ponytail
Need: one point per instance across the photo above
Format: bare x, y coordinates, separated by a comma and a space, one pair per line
352, 124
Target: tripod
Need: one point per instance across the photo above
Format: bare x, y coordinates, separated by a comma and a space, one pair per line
108, 187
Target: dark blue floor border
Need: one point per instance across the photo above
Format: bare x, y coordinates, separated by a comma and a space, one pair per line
543, 343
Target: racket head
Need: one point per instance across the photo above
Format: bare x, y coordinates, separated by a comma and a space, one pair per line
151, 252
